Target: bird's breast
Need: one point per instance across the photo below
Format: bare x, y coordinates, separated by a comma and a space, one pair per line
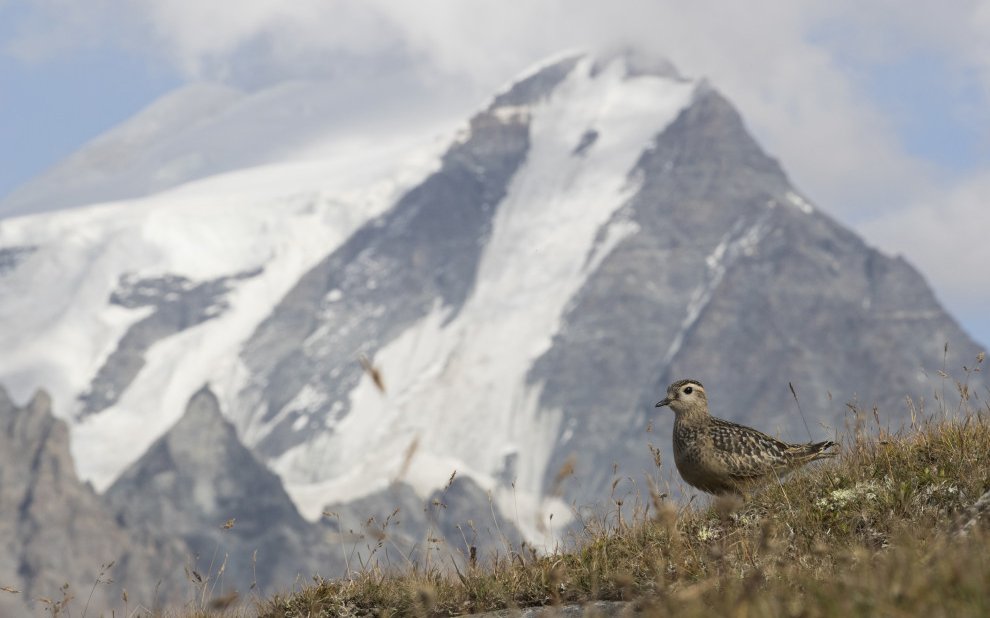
695, 461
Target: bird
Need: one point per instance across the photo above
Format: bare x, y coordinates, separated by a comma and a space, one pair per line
720, 457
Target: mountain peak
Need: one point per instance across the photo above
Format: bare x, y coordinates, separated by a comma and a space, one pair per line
638, 63
540, 82
56, 529
41, 402
202, 412
93, 173
203, 437
198, 476
709, 130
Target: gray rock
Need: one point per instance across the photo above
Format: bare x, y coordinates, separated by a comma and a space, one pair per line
405, 528
730, 277
387, 276
195, 479
10, 257
466, 517
390, 528
55, 530
734, 280
537, 86
178, 304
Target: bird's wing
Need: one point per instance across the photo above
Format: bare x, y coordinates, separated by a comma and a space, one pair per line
746, 452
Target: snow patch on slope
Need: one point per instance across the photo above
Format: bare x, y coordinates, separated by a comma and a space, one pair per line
799, 202
457, 389
278, 219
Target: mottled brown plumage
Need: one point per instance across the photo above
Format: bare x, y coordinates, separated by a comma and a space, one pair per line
720, 457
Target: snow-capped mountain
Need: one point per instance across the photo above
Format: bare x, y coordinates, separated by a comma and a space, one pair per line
135, 305
455, 293
524, 292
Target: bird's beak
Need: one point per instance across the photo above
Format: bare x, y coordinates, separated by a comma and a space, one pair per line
666, 402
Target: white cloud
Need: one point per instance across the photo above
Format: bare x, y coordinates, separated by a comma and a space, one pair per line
795, 68
203, 35
777, 61
945, 233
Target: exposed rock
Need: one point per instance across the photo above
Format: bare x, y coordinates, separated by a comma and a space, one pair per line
537, 86
405, 526
395, 520
55, 530
387, 276
198, 483
467, 518
713, 267
177, 304
10, 257
733, 278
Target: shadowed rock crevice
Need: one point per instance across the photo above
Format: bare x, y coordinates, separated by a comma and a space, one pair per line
176, 304
11, 257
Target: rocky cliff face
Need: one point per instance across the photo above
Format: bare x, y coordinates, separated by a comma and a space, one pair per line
55, 530
733, 278
200, 485
401, 527
384, 279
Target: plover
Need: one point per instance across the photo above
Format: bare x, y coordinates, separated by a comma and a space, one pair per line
719, 457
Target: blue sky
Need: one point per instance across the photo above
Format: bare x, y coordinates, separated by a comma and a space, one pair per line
49, 108
880, 115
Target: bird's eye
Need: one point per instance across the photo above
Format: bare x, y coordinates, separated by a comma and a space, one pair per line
688, 390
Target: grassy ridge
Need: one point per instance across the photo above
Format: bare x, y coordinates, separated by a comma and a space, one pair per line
879, 530
874, 532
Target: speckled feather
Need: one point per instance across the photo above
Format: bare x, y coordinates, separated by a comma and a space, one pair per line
718, 456
749, 453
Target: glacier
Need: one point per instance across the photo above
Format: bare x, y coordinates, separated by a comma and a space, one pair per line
276, 219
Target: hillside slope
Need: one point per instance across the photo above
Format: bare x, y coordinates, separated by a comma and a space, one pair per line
896, 525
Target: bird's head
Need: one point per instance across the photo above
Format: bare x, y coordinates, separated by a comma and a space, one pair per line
685, 397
